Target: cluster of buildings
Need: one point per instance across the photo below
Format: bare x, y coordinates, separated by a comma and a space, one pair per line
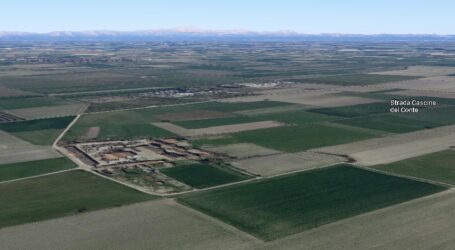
139, 151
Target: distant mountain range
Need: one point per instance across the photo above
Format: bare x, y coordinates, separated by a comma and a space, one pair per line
209, 35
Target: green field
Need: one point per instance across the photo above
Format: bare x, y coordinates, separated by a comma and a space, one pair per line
122, 124
359, 79
239, 106
39, 137
438, 166
286, 205
406, 122
390, 123
291, 138
440, 115
38, 132
200, 175
31, 168
39, 124
28, 102
355, 110
59, 195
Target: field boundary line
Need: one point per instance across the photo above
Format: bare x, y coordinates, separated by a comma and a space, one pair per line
54, 145
215, 187
40, 175
214, 220
150, 106
439, 183
405, 203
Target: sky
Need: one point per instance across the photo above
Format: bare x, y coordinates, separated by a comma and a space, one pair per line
304, 16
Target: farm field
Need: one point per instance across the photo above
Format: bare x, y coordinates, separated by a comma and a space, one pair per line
290, 117
323, 100
242, 150
31, 168
14, 150
411, 138
440, 115
285, 163
391, 123
200, 175
425, 71
289, 138
162, 224
204, 123
360, 79
291, 204
122, 124
406, 122
355, 110
59, 195
137, 123
240, 106
28, 102
217, 130
439, 166
435, 83
38, 132
403, 150
298, 117
49, 111
418, 224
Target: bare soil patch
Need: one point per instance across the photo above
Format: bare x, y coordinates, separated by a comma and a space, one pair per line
437, 83
420, 71
430, 93
13, 149
243, 150
284, 163
403, 151
193, 115
174, 128
396, 147
50, 111
216, 130
7, 92
92, 133
271, 110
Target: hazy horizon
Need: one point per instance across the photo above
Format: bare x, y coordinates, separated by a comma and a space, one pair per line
306, 17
